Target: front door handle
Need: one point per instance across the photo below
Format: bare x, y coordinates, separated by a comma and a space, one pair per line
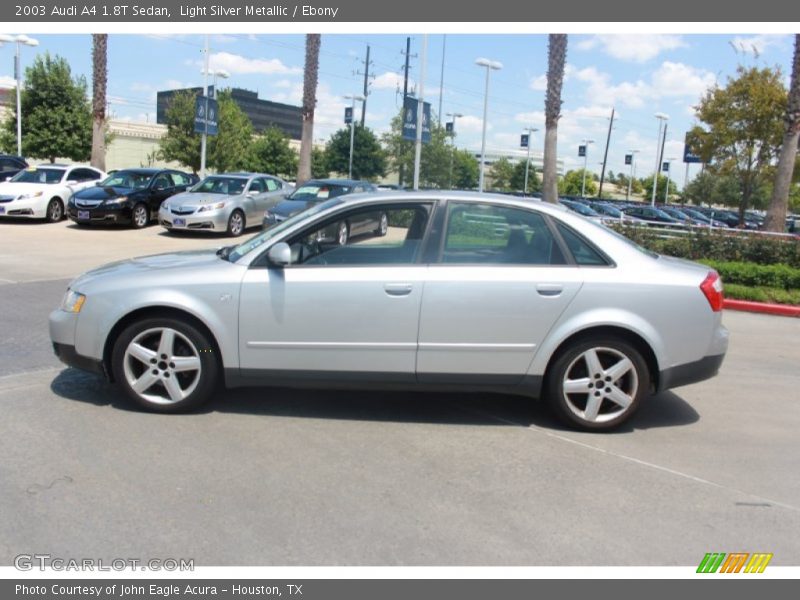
549, 289
398, 289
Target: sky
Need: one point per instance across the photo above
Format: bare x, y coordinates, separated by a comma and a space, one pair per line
637, 75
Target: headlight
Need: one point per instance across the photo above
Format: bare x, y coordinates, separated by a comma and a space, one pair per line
29, 195
216, 206
164, 206
72, 302
119, 200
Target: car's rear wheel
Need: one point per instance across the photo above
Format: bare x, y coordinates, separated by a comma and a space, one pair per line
139, 216
383, 225
236, 223
55, 210
165, 365
598, 383
342, 233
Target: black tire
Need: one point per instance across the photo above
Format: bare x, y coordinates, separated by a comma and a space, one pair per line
190, 345
140, 217
571, 369
383, 225
236, 223
342, 233
55, 210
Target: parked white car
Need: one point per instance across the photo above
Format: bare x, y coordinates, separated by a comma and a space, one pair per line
42, 192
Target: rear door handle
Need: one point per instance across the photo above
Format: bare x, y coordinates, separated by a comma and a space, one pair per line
398, 289
549, 289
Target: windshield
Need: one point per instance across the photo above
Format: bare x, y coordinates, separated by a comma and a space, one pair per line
127, 179
230, 186
266, 235
48, 176
610, 210
581, 209
320, 191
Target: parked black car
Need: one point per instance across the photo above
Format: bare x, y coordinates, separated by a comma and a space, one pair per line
649, 213
128, 197
10, 165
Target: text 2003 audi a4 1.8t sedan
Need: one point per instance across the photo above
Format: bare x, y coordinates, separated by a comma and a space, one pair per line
463, 292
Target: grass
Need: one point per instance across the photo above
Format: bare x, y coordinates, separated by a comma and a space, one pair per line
762, 294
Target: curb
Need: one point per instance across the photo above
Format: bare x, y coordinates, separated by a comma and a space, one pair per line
783, 310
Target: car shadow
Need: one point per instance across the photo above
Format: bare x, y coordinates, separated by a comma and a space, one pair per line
445, 408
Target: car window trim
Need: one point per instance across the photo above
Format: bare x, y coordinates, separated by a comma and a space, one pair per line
565, 247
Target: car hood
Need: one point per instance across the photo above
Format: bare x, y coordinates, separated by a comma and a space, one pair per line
173, 267
104, 193
198, 199
8, 188
287, 208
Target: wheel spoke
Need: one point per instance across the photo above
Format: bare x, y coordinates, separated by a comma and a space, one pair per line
592, 407
592, 362
619, 369
185, 363
141, 385
173, 389
618, 397
141, 353
577, 386
167, 342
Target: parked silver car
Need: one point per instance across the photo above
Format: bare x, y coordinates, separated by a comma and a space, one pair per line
226, 203
464, 292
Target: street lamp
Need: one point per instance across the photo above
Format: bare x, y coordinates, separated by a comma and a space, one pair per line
453, 146
662, 119
669, 173
531, 131
633, 173
585, 159
204, 139
490, 65
353, 129
20, 40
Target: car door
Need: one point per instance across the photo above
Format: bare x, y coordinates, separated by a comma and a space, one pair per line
338, 310
252, 200
161, 188
275, 192
502, 279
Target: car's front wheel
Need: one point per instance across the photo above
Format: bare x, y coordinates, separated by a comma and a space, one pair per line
598, 383
165, 365
55, 211
383, 225
342, 233
139, 216
236, 223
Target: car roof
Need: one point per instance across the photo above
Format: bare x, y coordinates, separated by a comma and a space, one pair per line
333, 181
143, 170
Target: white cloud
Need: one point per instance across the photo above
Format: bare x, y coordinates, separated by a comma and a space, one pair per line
388, 81
539, 83
471, 124
237, 64
678, 79
755, 44
633, 48
7, 82
600, 90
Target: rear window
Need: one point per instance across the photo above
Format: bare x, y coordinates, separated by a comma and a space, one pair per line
583, 252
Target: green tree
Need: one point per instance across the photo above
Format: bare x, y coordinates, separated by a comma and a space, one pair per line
229, 150
647, 187
435, 159
319, 165
466, 170
556, 63
701, 189
369, 159
572, 183
501, 174
518, 178
743, 128
56, 113
271, 153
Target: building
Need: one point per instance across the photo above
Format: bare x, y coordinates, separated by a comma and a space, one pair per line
262, 113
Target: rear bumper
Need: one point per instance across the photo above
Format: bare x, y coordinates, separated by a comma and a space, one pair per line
70, 357
692, 372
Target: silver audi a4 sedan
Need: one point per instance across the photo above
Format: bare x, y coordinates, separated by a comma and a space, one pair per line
464, 292
226, 203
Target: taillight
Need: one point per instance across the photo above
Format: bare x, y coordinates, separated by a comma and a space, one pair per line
712, 289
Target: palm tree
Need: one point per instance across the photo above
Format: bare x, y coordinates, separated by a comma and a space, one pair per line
99, 82
310, 76
776, 215
556, 60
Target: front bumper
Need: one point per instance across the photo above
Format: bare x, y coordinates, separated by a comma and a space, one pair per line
116, 214
31, 208
70, 357
62, 326
213, 221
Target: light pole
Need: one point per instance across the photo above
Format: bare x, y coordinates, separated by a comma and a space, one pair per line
489, 65
453, 146
222, 74
633, 173
585, 160
531, 131
204, 139
669, 173
353, 97
26, 41
662, 118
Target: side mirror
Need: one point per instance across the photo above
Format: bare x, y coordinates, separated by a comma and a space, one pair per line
72, 181
280, 254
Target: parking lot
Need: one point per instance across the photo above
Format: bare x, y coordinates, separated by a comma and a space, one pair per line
286, 477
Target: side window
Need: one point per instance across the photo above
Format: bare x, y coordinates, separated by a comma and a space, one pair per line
386, 235
490, 234
257, 186
179, 179
272, 185
84, 175
162, 182
583, 252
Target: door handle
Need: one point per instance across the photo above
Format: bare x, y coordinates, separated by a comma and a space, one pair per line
398, 289
549, 289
